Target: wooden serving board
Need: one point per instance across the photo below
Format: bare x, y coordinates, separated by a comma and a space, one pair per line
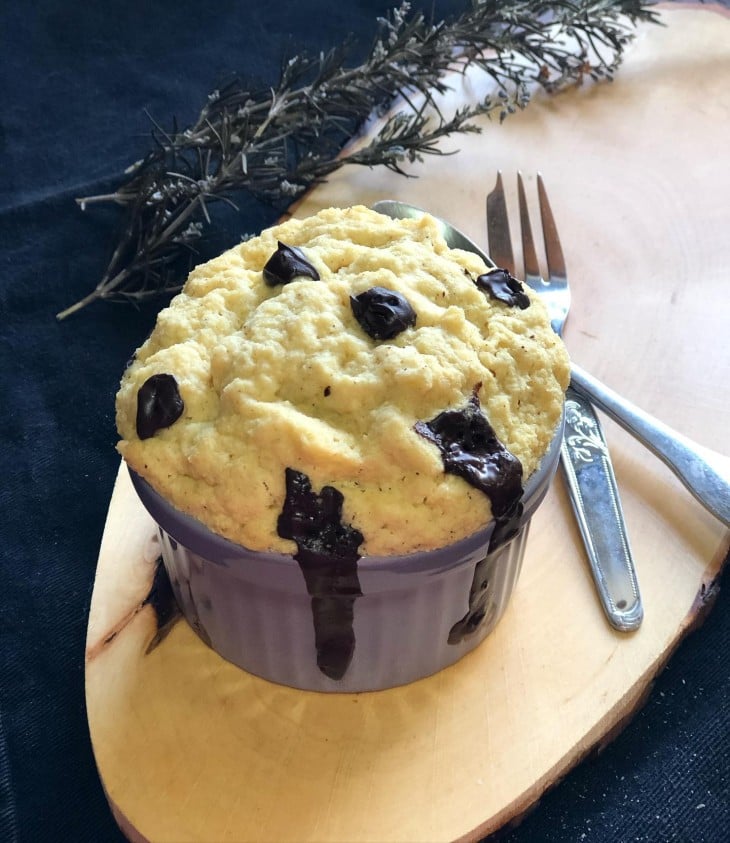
190, 748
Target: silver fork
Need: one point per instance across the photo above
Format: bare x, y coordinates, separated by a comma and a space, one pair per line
584, 454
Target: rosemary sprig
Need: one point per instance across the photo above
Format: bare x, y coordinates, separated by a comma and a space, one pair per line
274, 144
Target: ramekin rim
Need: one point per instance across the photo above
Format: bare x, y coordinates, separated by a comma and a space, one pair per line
433, 558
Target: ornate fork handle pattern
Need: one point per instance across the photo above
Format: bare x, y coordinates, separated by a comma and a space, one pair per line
582, 433
597, 506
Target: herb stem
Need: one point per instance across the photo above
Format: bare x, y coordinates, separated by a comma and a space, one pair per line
276, 143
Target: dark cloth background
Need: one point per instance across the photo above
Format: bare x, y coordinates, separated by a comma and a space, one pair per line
76, 79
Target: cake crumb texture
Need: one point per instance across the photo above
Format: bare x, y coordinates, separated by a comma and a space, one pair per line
284, 376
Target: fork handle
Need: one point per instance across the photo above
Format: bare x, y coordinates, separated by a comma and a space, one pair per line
704, 472
595, 500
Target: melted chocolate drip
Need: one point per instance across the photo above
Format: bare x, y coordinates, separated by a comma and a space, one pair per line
382, 313
193, 616
470, 449
327, 553
159, 405
478, 604
164, 605
500, 285
167, 611
286, 264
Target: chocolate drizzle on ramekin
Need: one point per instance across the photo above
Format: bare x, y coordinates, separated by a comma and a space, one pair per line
327, 553
479, 603
162, 600
500, 285
159, 405
286, 264
470, 449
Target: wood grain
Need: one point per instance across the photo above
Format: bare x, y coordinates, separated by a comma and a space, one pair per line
192, 749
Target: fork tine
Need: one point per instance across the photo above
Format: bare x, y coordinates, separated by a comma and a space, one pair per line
498, 235
553, 249
592, 484
532, 269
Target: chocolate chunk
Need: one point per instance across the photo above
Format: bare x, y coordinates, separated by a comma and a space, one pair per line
500, 285
382, 313
470, 449
327, 553
159, 405
315, 521
286, 264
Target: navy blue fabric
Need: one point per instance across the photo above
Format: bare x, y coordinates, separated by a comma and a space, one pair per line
76, 80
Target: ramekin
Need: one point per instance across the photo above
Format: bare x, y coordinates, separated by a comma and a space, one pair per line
416, 614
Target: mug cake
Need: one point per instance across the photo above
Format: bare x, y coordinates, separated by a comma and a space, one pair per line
336, 423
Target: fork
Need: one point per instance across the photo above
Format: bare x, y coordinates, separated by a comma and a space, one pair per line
584, 454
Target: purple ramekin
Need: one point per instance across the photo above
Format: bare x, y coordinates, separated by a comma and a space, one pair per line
413, 615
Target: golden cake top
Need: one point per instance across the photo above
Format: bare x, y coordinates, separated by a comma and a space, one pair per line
324, 345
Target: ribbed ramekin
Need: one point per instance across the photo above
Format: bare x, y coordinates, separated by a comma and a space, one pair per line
416, 614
